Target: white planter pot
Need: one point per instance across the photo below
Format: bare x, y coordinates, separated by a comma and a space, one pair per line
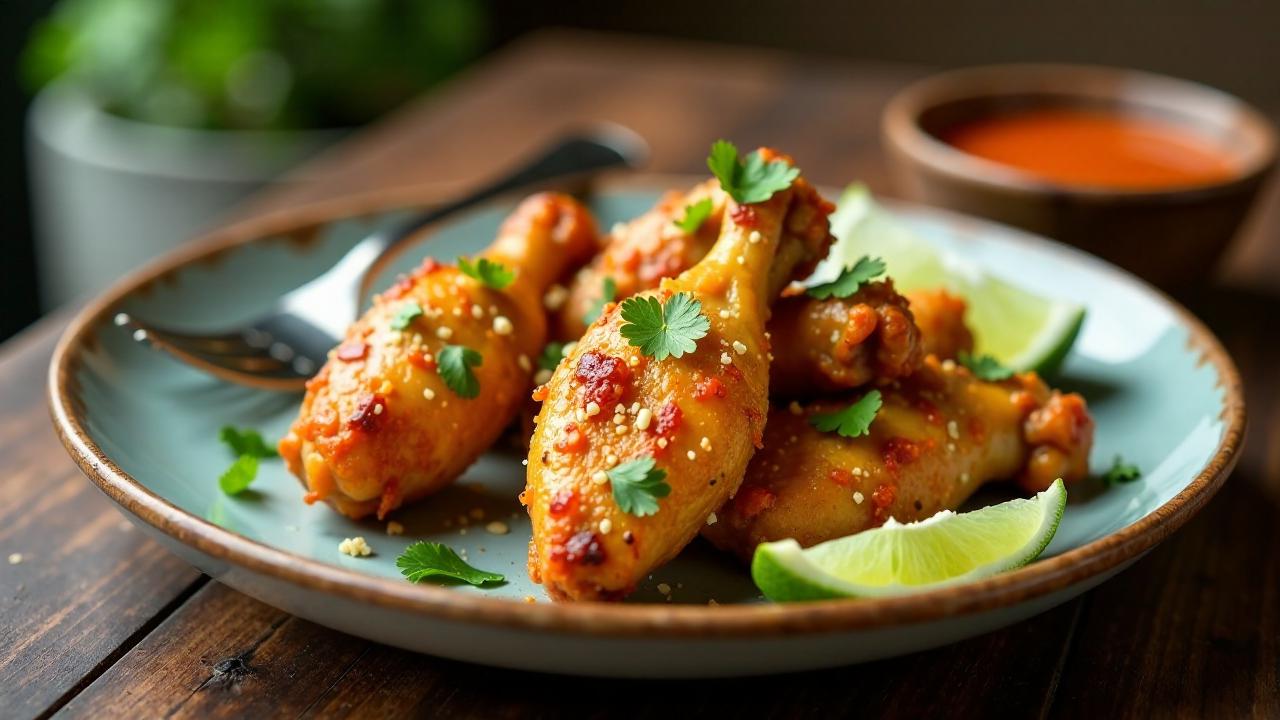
109, 193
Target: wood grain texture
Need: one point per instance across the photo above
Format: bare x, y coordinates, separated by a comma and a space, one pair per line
1190, 630
86, 584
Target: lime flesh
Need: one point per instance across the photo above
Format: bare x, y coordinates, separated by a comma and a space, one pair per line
895, 559
1022, 330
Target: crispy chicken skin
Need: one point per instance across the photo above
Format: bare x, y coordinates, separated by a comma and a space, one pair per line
378, 426
820, 345
940, 317
700, 416
839, 343
637, 255
938, 437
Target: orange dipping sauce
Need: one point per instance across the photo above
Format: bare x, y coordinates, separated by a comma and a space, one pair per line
1095, 148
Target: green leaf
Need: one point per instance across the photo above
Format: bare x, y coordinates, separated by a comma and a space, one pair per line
246, 442
985, 367
637, 485
852, 421
850, 279
551, 356
1120, 472
608, 293
753, 181
694, 216
238, 477
454, 363
491, 274
432, 559
407, 313
664, 329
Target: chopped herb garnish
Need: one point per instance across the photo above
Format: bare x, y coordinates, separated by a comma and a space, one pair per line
662, 329
432, 559
608, 293
694, 216
637, 485
491, 274
407, 313
985, 367
246, 442
551, 356
454, 363
1120, 472
238, 477
752, 181
851, 278
852, 421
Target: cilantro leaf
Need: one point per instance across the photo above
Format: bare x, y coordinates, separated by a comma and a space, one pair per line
246, 442
551, 356
753, 181
852, 421
851, 278
608, 293
238, 477
694, 216
432, 559
407, 313
454, 363
662, 329
1120, 472
491, 274
985, 367
637, 485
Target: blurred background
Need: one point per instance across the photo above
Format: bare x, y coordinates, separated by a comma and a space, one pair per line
127, 126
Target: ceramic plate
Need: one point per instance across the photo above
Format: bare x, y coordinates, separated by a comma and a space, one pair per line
144, 428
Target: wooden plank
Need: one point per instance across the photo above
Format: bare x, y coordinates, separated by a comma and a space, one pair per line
1194, 629
78, 585
226, 655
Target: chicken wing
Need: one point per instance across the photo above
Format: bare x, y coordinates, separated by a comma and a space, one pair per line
698, 417
840, 343
379, 425
637, 255
940, 317
939, 436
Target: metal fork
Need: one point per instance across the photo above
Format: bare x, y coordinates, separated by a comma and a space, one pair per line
284, 347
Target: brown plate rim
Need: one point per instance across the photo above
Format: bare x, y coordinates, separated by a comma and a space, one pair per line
650, 620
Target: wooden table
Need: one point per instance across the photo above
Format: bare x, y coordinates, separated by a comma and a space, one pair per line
97, 621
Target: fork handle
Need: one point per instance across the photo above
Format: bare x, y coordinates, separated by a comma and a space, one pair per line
606, 147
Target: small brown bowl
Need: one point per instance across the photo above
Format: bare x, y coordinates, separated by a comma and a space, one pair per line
1172, 237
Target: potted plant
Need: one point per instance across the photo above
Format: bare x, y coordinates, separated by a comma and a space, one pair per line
154, 116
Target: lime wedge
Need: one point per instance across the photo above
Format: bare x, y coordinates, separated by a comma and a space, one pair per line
1022, 330
894, 559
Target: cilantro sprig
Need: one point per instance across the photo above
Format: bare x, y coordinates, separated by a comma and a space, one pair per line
752, 180
489, 273
1120, 472
608, 293
551, 356
246, 442
424, 559
985, 367
637, 485
406, 314
454, 363
249, 447
664, 329
240, 475
850, 279
852, 421
694, 216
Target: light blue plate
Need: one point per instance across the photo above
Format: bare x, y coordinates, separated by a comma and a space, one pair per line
145, 429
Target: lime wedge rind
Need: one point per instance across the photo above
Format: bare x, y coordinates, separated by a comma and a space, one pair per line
1021, 329
785, 572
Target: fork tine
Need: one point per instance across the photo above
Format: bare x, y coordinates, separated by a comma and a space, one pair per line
255, 367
